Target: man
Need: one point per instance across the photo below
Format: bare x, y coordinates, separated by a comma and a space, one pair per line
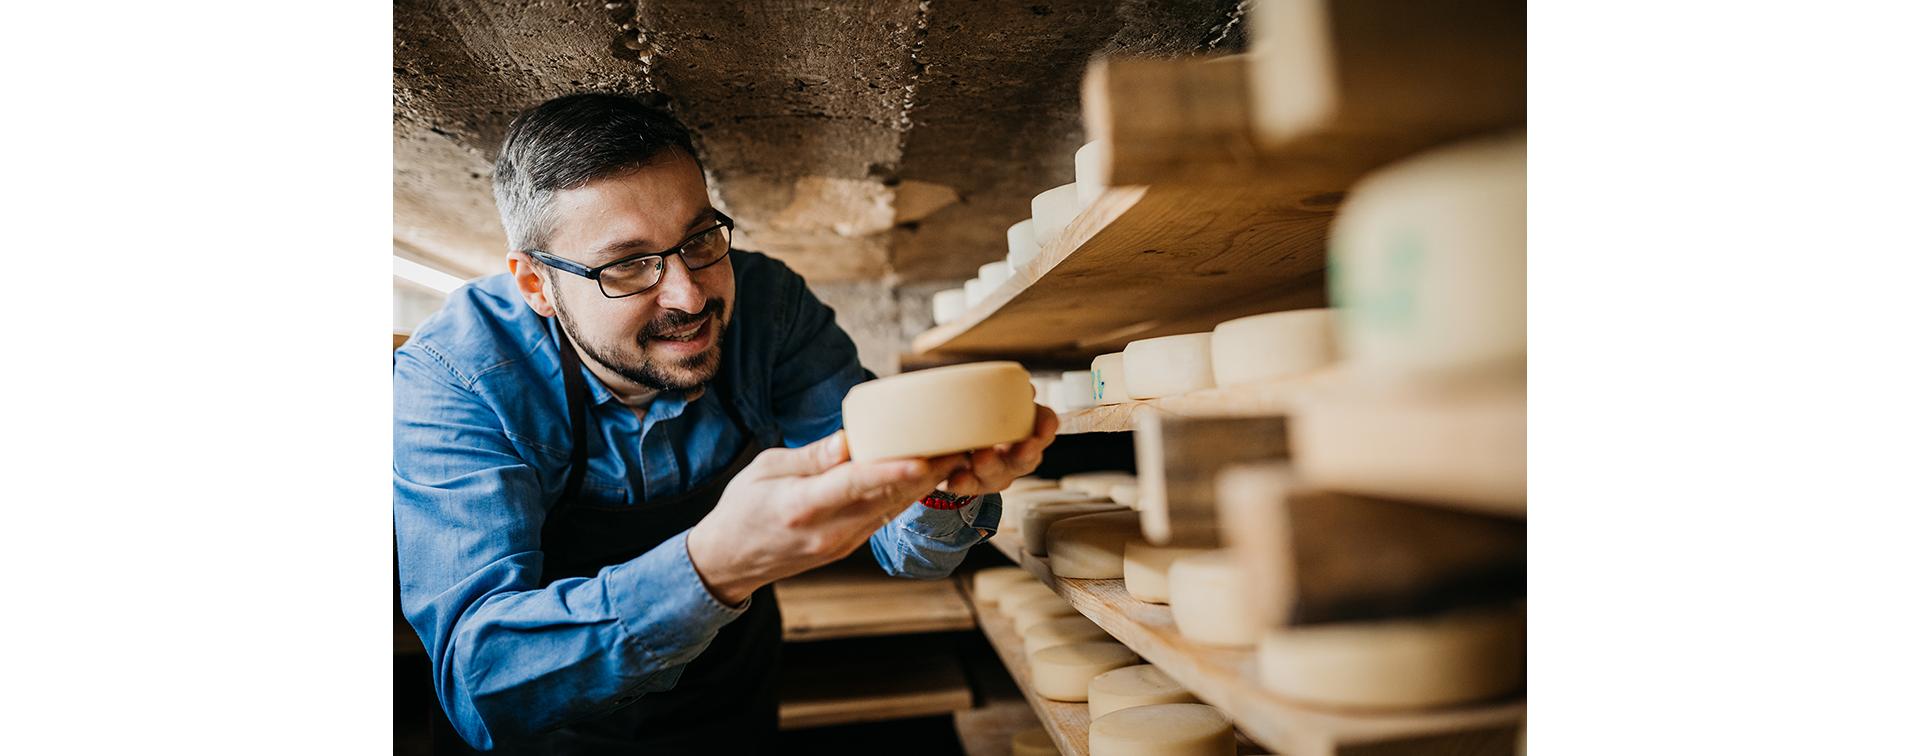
605, 457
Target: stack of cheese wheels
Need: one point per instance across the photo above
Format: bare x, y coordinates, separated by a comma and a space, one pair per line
975, 291
1036, 610
1208, 596
1125, 494
995, 273
1037, 519
1145, 569
1053, 632
1169, 365
1075, 390
949, 305
1061, 673
1272, 346
1099, 483
939, 411
1174, 729
1138, 685
1020, 592
1034, 742
989, 582
1090, 168
1431, 262
1053, 209
1014, 505
1448, 659
1110, 379
1021, 246
1091, 547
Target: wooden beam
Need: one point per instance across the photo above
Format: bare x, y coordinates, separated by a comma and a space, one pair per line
1176, 460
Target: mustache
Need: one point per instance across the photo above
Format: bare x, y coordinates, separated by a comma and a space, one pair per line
677, 319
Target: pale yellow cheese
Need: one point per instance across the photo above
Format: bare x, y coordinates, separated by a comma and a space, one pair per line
1169, 365
1091, 546
1110, 379
1138, 685
1020, 591
1173, 729
1125, 494
1034, 742
1075, 391
989, 582
1091, 164
1021, 246
1031, 483
1058, 630
1015, 503
1444, 660
1208, 596
1272, 346
1035, 611
939, 411
1037, 518
949, 305
1053, 209
1145, 568
1095, 483
1061, 673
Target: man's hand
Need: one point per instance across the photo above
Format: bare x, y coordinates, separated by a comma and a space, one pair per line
791, 510
990, 470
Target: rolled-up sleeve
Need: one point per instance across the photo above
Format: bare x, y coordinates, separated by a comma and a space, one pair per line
510, 658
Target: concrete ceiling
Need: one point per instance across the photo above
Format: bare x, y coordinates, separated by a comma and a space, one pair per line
889, 141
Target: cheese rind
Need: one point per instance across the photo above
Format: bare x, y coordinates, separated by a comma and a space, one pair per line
940, 411
1173, 729
1061, 673
1036, 519
1272, 346
1020, 592
1110, 379
1089, 547
1075, 391
1021, 246
995, 273
1145, 567
989, 582
1090, 168
949, 305
1207, 593
975, 291
1059, 630
1034, 611
1169, 365
1014, 504
1053, 209
1443, 660
1138, 685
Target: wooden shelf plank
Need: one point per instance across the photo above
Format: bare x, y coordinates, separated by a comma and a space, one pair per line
1066, 722
861, 684
1270, 399
855, 599
1227, 678
1148, 261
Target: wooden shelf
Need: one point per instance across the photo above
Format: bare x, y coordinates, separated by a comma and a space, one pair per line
868, 683
1226, 678
1148, 261
1066, 722
855, 599
1270, 399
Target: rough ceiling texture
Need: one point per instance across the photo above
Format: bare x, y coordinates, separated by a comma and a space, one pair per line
887, 142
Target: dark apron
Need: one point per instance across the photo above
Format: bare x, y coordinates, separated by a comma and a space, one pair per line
725, 701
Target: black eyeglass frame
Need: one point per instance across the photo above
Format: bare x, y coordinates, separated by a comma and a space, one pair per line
593, 273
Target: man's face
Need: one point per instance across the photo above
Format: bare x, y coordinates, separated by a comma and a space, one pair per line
667, 337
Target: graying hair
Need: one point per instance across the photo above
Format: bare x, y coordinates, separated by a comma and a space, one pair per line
565, 142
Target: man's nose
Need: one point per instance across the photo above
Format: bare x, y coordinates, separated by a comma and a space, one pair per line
677, 289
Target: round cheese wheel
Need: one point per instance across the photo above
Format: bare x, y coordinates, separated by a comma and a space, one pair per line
995, 273
1173, 729
1271, 346
1110, 379
976, 291
1061, 673
1429, 257
1099, 483
1138, 685
1034, 742
1053, 209
1020, 592
1043, 390
1036, 519
1058, 630
1090, 169
1030, 483
1208, 595
1034, 611
1145, 568
1125, 494
1169, 365
1014, 504
1089, 547
1021, 246
949, 305
1075, 391
988, 582
938, 411
1442, 660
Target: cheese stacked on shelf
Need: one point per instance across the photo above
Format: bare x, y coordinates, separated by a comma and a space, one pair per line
1110, 379
1062, 673
1208, 595
949, 305
1090, 546
1020, 593
1033, 611
1053, 209
1272, 346
1014, 505
1145, 568
1059, 630
1448, 659
1173, 729
974, 291
1091, 164
1074, 391
994, 274
1035, 521
989, 582
1138, 685
1098, 483
1169, 365
1022, 247
938, 411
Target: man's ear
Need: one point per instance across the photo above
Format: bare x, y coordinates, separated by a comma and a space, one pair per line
533, 286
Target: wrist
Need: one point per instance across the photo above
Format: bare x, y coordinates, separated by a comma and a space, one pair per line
710, 561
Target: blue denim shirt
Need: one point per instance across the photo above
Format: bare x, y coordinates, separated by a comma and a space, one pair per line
480, 451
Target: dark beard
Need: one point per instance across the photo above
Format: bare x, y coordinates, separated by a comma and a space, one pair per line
702, 366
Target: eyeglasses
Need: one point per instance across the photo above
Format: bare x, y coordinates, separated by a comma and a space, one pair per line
631, 275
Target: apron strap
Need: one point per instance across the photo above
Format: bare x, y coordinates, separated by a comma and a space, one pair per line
577, 395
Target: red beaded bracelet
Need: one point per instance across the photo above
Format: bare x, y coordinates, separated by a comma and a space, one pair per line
944, 500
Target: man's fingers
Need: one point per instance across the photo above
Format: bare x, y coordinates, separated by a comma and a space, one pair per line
812, 459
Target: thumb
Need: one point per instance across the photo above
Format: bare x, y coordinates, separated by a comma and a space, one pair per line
812, 459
